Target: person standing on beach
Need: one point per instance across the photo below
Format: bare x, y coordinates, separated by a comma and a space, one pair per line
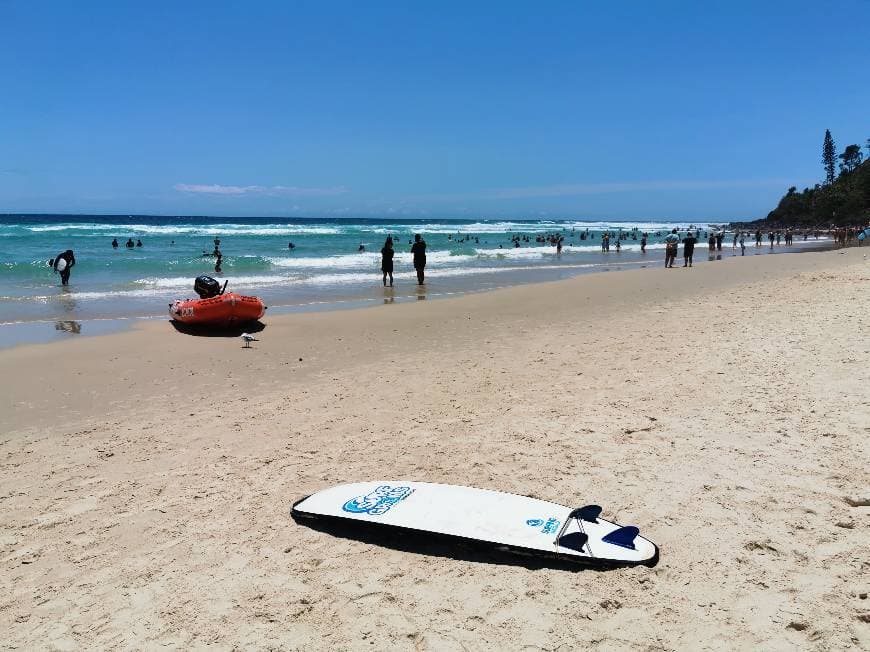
672, 241
742, 245
387, 260
719, 237
419, 251
688, 249
62, 264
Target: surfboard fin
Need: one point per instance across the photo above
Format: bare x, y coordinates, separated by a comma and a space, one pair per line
623, 537
574, 541
588, 513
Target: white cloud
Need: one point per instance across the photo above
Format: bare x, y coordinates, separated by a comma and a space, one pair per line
273, 191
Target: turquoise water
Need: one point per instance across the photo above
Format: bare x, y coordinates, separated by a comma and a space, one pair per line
325, 268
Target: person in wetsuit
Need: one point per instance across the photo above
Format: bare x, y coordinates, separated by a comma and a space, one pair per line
130, 244
419, 251
115, 243
387, 260
64, 269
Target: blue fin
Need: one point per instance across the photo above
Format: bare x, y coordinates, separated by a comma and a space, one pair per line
588, 513
623, 537
574, 541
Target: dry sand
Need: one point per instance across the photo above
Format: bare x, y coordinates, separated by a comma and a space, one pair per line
147, 476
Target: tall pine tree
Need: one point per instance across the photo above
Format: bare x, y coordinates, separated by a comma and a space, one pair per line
829, 157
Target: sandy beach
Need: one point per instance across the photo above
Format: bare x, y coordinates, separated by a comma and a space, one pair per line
148, 475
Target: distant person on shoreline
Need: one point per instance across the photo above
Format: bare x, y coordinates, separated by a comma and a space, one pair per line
115, 243
419, 251
387, 260
742, 244
688, 249
130, 244
671, 242
643, 244
62, 264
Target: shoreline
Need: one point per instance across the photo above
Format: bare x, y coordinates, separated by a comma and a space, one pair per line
148, 479
45, 330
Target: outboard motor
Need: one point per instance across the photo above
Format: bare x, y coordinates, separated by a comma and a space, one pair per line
206, 287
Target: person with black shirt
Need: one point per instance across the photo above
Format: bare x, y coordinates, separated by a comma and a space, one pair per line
130, 244
387, 260
62, 264
688, 248
419, 251
115, 243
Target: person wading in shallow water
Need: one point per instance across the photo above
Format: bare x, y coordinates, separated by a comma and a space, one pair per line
419, 251
387, 260
62, 264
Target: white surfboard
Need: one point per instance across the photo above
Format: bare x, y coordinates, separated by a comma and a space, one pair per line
495, 519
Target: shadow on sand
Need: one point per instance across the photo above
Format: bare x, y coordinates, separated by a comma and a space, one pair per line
235, 330
451, 547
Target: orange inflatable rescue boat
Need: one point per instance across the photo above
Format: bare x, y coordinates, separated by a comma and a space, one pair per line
214, 307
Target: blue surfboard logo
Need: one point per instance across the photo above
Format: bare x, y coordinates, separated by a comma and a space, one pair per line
551, 525
377, 502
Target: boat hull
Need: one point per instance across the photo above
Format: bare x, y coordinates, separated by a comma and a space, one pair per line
225, 310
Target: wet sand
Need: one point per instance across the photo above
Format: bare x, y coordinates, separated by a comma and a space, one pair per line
148, 475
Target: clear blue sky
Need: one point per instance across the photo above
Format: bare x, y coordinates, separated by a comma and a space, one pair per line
454, 109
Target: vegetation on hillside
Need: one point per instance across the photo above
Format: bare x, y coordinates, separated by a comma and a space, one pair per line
842, 199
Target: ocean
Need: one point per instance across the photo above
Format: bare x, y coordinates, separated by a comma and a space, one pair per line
325, 269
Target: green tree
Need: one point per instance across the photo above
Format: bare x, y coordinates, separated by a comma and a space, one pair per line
829, 157
851, 158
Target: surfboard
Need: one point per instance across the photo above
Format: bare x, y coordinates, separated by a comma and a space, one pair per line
485, 518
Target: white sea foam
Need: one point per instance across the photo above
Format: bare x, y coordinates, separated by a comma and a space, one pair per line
193, 229
542, 226
363, 260
185, 282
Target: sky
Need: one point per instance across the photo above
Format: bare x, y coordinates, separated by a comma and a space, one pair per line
600, 110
